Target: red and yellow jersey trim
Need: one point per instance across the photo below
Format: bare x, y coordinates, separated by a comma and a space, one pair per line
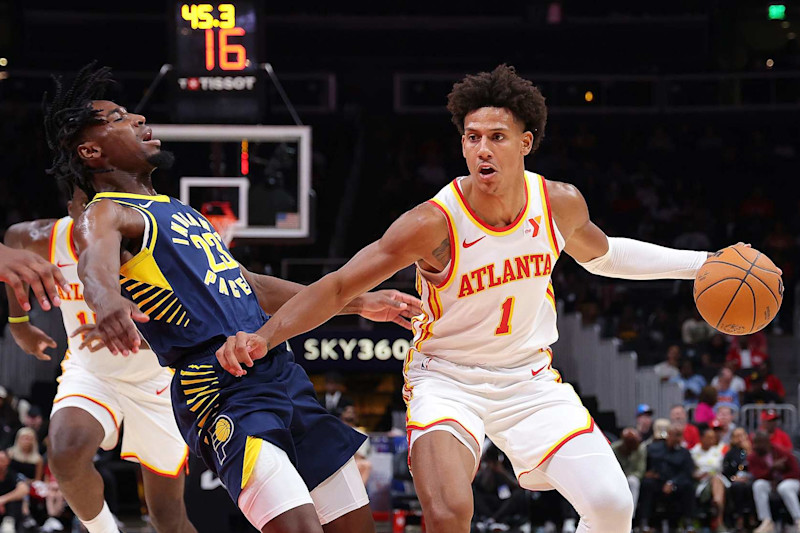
93, 400
73, 250
497, 232
550, 295
551, 232
52, 245
419, 426
454, 246
561, 442
172, 474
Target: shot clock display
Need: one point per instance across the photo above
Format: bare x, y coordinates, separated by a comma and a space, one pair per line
216, 62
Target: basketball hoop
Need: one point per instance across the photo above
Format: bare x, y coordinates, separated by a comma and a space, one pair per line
221, 216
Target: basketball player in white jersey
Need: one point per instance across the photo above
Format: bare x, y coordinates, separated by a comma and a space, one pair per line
481, 364
96, 392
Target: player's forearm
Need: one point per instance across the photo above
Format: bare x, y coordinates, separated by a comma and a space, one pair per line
12, 240
310, 308
273, 293
99, 273
638, 260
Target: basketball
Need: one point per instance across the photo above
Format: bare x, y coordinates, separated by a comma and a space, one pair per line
738, 290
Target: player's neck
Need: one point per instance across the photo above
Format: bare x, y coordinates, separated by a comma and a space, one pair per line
120, 181
497, 208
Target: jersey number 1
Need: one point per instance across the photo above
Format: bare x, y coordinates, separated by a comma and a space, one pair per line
84, 319
505, 320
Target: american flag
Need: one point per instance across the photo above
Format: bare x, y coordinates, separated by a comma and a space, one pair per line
287, 220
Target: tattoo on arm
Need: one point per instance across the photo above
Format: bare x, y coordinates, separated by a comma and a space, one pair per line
442, 252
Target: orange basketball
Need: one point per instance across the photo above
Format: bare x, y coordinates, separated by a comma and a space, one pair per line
738, 290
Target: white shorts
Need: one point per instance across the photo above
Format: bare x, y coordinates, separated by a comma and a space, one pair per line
274, 487
527, 412
151, 435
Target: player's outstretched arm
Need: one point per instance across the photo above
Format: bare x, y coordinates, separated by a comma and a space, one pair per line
98, 235
22, 269
379, 306
614, 257
416, 235
33, 237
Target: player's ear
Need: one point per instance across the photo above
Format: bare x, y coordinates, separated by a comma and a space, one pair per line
527, 142
89, 150
463, 149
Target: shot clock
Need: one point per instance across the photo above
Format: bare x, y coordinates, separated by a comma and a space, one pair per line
216, 62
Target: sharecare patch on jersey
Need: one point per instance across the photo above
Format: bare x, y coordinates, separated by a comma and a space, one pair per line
521, 267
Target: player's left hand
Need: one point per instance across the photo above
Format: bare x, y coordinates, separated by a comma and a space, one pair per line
390, 306
241, 348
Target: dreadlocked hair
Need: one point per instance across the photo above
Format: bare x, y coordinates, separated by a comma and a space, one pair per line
500, 88
65, 117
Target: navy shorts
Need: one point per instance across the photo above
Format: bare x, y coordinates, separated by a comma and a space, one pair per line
274, 401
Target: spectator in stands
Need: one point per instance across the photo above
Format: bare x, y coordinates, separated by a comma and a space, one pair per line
717, 350
499, 500
745, 353
9, 420
770, 420
771, 382
689, 381
24, 455
730, 387
679, 417
34, 419
668, 478
724, 423
350, 417
704, 412
695, 331
644, 421
707, 457
334, 399
669, 368
735, 469
757, 391
773, 468
632, 456
13, 489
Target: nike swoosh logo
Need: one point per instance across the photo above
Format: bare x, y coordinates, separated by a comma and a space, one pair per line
468, 244
146, 205
62, 265
534, 372
158, 392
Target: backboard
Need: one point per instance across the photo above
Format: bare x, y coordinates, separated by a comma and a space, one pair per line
262, 172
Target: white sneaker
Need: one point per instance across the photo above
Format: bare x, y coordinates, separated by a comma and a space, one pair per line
8, 525
52, 524
767, 526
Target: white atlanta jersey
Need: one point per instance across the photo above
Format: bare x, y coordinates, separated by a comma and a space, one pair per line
75, 312
493, 305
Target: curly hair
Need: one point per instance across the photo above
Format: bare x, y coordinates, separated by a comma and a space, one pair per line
65, 117
500, 88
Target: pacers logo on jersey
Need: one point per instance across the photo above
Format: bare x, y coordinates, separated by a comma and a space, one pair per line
221, 435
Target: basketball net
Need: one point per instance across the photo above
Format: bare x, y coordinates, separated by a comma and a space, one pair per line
221, 216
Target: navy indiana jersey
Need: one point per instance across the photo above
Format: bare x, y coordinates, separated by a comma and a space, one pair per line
184, 279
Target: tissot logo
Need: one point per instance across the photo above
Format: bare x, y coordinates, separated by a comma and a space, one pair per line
218, 83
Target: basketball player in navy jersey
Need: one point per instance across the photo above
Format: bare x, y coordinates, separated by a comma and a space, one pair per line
284, 460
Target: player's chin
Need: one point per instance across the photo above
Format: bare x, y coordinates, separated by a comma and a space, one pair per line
159, 158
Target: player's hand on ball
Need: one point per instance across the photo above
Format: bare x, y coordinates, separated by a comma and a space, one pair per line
243, 348
390, 306
116, 326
